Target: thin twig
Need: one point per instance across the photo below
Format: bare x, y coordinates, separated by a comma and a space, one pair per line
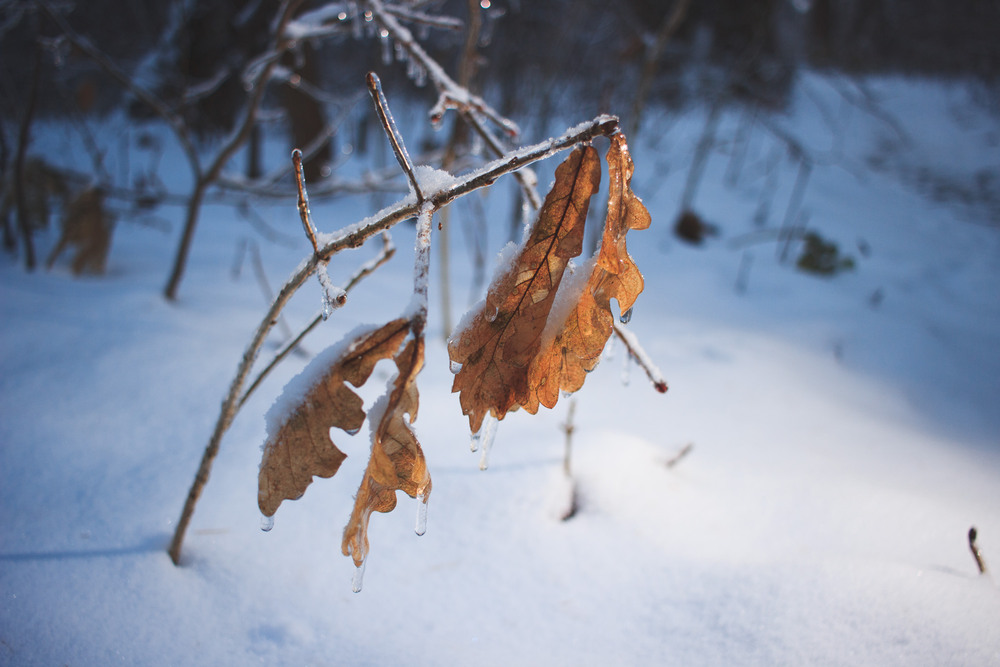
420, 18
976, 553
237, 139
639, 355
568, 429
368, 268
527, 183
355, 237
303, 200
676, 458
392, 132
421, 269
257, 263
654, 49
173, 120
451, 95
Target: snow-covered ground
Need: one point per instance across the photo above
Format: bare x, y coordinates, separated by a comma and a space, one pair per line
845, 432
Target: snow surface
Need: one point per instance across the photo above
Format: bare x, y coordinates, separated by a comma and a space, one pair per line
844, 430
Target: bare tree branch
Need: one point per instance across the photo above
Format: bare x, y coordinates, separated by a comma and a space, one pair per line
353, 237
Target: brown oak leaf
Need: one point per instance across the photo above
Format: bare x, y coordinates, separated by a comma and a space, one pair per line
397, 462
300, 447
565, 359
497, 347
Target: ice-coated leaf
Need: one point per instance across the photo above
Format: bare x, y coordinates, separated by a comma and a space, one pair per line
397, 462
563, 363
497, 347
300, 447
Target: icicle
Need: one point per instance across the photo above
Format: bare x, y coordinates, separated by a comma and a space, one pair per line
610, 349
455, 367
488, 433
266, 522
626, 317
359, 577
333, 297
421, 526
627, 370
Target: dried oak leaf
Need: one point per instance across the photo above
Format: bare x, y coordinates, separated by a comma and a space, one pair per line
566, 357
301, 446
497, 347
397, 462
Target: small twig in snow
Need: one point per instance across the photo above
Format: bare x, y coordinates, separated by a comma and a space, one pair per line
976, 553
676, 458
568, 429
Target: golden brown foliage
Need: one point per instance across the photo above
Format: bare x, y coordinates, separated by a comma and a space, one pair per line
518, 350
521, 349
497, 348
302, 448
575, 350
397, 462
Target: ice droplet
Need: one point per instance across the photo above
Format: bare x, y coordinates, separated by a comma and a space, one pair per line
358, 580
421, 526
627, 370
455, 367
626, 317
266, 522
487, 433
496, 311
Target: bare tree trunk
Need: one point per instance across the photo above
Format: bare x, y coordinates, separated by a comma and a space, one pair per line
700, 160
306, 116
651, 63
24, 138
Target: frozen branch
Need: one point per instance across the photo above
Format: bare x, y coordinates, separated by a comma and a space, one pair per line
205, 179
976, 553
173, 120
420, 18
451, 94
304, 215
639, 355
366, 269
353, 237
392, 132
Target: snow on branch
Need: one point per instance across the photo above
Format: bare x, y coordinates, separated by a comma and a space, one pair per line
450, 94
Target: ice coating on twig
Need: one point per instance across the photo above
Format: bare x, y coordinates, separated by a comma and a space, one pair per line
333, 297
636, 352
